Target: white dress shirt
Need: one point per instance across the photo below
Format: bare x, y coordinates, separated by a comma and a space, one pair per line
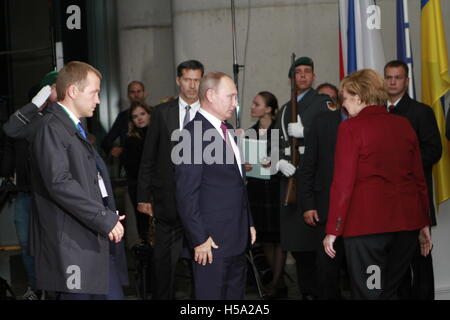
70, 113
389, 103
194, 108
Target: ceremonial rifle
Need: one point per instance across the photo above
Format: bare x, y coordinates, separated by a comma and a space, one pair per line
291, 192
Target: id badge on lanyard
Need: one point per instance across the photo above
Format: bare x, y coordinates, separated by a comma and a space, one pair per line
102, 186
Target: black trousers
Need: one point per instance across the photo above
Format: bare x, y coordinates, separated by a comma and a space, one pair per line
142, 220
328, 270
305, 262
418, 283
167, 251
377, 263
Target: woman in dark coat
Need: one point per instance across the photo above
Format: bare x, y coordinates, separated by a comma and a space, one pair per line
379, 198
264, 196
139, 119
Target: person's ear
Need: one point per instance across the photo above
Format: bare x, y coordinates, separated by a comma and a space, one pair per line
357, 99
210, 94
72, 91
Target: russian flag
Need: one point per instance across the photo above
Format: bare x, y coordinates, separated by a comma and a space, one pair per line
404, 52
360, 36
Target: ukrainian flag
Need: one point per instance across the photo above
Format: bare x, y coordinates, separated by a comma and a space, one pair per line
435, 84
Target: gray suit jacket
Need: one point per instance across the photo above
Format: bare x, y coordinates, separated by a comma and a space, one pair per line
70, 223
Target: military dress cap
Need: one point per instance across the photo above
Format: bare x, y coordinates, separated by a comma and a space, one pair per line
49, 79
302, 61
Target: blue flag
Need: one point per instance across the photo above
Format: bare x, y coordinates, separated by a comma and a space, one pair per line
404, 51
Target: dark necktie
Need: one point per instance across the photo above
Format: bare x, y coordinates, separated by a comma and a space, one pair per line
391, 107
187, 116
224, 128
81, 130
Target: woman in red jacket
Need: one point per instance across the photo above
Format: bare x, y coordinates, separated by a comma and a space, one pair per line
378, 199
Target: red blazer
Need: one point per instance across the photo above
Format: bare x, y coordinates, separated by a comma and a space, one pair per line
378, 182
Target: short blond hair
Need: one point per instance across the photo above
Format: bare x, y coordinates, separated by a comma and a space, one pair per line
368, 84
73, 73
210, 81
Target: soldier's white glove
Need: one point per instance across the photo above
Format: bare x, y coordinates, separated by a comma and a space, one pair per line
285, 167
41, 96
295, 129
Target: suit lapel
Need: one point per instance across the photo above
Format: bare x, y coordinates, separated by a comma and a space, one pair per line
173, 117
402, 105
69, 125
86, 143
58, 111
208, 125
230, 149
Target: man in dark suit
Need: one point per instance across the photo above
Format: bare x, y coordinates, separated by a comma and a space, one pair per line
156, 182
136, 93
76, 233
296, 236
424, 124
212, 197
314, 183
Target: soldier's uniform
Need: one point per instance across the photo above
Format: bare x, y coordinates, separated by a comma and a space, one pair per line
295, 235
